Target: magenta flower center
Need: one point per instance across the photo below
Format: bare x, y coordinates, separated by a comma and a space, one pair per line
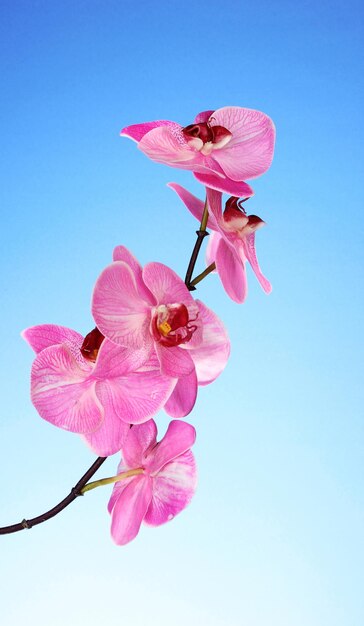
235, 220
91, 345
234, 205
205, 138
171, 324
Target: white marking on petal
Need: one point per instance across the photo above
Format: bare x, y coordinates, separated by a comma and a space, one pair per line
207, 148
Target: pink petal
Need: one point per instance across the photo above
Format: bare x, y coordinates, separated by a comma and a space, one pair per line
45, 335
210, 359
179, 437
166, 286
231, 270
118, 488
63, 393
119, 311
193, 204
137, 131
130, 509
109, 437
249, 250
203, 117
250, 151
215, 205
123, 254
137, 397
140, 440
174, 361
226, 185
211, 249
183, 397
173, 488
114, 360
167, 145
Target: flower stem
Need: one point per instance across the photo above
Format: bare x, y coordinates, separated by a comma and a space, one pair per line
203, 274
74, 493
83, 485
201, 234
111, 479
205, 216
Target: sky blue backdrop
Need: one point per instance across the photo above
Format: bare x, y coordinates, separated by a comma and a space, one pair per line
274, 535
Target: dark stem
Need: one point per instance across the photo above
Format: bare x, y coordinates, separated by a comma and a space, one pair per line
203, 274
201, 234
74, 493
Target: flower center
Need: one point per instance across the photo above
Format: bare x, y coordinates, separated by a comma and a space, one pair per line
235, 220
91, 345
171, 324
206, 138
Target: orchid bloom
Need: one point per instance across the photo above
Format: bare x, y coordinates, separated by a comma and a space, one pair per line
222, 147
151, 310
92, 386
163, 487
232, 242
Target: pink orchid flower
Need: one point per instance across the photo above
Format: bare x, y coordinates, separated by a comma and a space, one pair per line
222, 147
232, 242
150, 309
92, 386
165, 486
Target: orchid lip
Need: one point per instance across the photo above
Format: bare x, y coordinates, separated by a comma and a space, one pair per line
236, 221
91, 345
205, 138
235, 203
171, 325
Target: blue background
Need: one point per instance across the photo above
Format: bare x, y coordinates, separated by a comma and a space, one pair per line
274, 535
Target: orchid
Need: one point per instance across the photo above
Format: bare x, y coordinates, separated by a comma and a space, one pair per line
153, 343
163, 481
92, 386
222, 147
232, 242
150, 310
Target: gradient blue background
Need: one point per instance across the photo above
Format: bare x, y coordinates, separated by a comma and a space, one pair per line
274, 535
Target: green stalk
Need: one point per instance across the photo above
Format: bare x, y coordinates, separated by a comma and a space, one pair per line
111, 479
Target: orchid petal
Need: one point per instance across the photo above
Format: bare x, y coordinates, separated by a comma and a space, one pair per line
63, 393
140, 440
123, 254
211, 357
250, 151
45, 335
180, 436
193, 204
183, 397
137, 397
119, 311
137, 131
109, 437
173, 489
231, 270
166, 285
119, 487
174, 361
130, 509
114, 361
203, 117
168, 145
214, 203
211, 248
249, 250
226, 185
